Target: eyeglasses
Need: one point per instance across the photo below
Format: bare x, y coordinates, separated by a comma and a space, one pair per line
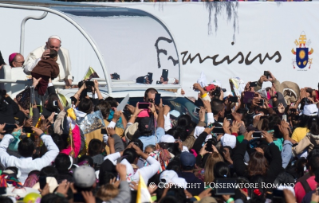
53, 47
19, 61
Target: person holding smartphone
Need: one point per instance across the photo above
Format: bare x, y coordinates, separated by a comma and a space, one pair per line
270, 77
26, 149
41, 53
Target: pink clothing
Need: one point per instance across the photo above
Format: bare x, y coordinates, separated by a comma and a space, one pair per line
300, 191
77, 142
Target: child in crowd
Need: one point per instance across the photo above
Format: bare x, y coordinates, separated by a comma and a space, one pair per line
46, 69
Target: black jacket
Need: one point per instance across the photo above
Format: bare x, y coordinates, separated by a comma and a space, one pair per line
274, 166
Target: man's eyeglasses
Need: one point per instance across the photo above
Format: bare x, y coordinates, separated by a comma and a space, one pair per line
53, 47
20, 62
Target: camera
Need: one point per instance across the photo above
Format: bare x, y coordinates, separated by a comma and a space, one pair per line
150, 77
89, 85
253, 84
115, 76
216, 92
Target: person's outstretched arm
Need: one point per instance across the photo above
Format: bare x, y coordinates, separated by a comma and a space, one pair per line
125, 191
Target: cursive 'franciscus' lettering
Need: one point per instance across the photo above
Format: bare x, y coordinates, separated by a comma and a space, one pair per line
241, 58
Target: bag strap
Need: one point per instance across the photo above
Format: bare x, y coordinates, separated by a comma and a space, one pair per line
305, 185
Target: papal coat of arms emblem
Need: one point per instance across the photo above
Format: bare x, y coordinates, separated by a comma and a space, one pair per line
302, 52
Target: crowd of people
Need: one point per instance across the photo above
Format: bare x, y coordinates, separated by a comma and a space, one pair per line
172, 0
259, 146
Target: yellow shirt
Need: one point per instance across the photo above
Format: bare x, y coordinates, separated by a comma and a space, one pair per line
299, 134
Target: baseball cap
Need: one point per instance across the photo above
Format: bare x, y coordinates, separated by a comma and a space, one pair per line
170, 176
187, 159
228, 140
167, 139
19, 118
84, 176
310, 110
216, 83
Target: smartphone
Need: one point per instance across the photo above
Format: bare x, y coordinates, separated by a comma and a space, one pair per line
42, 181
233, 99
73, 100
165, 74
150, 76
157, 99
218, 130
143, 105
209, 144
284, 117
158, 82
248, 97
261, 102
3, 190
230, 186
253, 84
267, 74
277, 195
9, 127
103, 131
27, 129
196, 110
257, 134
89, 85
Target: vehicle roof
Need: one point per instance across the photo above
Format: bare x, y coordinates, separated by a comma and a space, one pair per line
47, 3
122, 94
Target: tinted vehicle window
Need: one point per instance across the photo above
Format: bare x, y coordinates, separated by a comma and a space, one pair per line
179, 106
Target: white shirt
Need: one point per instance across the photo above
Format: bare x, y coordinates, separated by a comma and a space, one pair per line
26, 165
63, 62
146, 172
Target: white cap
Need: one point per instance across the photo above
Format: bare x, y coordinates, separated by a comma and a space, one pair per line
171, 176
310, 110
167, 139
55, 37
216, 83
229, 140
